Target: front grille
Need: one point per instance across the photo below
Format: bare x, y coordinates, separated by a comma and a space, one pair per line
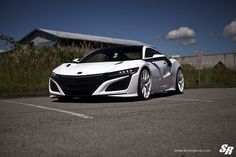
79, 85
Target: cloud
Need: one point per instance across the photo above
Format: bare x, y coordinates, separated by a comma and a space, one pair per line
188, 41
185, 35
182, 32
230, 30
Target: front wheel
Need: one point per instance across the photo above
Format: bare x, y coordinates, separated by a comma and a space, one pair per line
179, 81
144, 84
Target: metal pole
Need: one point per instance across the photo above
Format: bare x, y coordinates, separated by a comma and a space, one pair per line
199, 78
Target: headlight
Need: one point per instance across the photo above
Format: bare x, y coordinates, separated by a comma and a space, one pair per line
123, 72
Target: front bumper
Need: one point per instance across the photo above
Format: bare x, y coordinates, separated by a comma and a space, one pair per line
93, 85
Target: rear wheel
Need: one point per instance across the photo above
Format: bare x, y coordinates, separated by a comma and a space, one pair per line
179, 81
144, 84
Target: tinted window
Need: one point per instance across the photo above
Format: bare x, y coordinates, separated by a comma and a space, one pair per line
114, 54
150, 52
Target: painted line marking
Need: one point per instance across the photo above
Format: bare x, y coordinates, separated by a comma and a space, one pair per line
52, 109
193, 100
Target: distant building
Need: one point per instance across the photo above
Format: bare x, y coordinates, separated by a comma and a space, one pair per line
219, 65
52, 37
211, 60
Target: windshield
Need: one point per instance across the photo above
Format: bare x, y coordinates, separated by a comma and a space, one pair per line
114, 54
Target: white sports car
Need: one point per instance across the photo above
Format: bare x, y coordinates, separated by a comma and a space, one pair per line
127, 71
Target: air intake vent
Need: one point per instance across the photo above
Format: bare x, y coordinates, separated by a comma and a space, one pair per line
53, 86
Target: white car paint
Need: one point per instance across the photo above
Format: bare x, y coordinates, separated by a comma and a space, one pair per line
162, 70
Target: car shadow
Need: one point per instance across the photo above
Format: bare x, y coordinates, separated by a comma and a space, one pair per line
106, 99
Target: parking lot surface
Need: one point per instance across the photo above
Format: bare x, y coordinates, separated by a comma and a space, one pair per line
196, 123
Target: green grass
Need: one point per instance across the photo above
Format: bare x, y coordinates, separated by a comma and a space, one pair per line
27, 69
209, 77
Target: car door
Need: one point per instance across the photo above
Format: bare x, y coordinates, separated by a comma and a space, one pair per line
160, 67
165, 69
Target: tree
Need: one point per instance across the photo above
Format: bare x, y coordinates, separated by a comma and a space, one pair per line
7, 39
8, 42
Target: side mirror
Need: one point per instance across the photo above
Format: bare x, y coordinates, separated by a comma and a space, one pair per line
76, 60
158, 56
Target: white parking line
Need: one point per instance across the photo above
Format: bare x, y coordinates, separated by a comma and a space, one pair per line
193, 100
52, 109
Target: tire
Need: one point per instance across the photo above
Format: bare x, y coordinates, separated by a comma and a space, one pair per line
144, 84
179, 81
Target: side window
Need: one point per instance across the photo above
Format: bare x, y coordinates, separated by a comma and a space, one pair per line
150, 52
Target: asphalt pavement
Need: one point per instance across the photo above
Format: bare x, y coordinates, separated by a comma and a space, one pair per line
196, 123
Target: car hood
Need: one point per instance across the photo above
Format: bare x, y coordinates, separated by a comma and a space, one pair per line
93, 68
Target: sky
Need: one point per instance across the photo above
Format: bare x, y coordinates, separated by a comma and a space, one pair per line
172, 26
